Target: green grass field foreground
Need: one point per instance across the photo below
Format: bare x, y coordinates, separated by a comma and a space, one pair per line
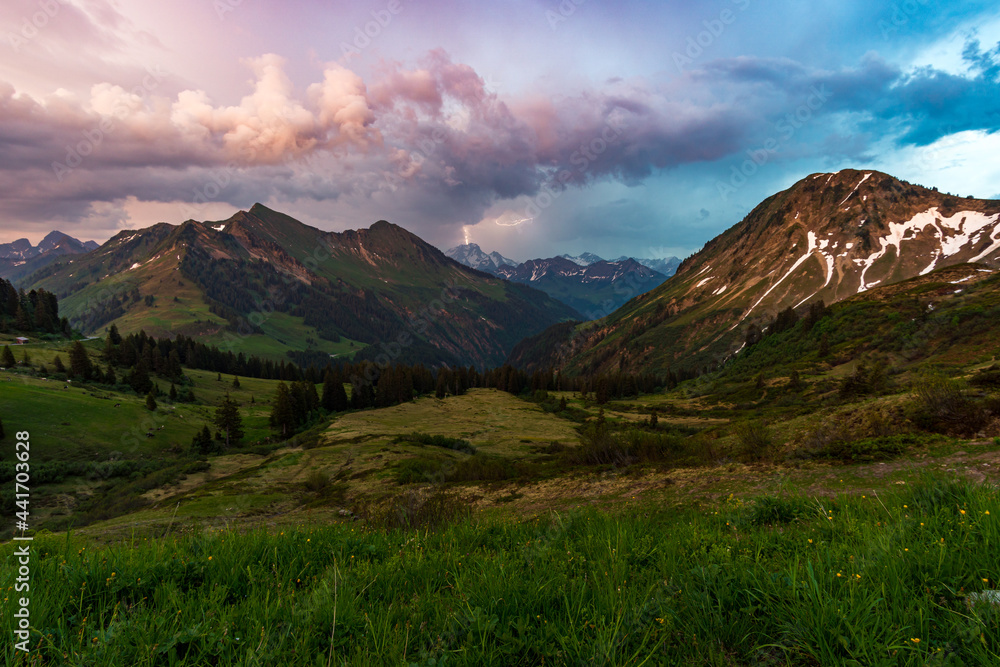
897, 578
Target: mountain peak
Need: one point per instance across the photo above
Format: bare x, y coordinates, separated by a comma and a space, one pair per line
828, 237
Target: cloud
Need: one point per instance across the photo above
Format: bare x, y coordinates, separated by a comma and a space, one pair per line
432, 142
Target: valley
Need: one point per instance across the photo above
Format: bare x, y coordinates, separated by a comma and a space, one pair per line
784, 446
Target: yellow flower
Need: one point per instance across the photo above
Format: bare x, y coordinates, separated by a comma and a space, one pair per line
915, 640
209, 558
810, 541
962, 511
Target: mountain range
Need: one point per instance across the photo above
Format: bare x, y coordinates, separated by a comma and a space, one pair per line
262, 282
667, 266
826, 238
20, 258
591, 285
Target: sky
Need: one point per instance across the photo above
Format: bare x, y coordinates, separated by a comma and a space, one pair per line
529, 127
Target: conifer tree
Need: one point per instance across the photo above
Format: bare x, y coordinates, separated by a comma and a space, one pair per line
8, 357
79, 361
227, 418
282, 413
150, 401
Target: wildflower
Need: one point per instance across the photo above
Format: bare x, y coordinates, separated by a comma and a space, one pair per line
915, 640
962, 511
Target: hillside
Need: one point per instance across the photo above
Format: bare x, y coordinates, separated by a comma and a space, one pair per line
264, 283
828, 237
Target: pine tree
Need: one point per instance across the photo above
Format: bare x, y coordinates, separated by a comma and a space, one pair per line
139, 378
282, 413
202, 442
22, 321
2, 434
334, 396
114, 336
8, 357
173, 392
601, 391
110, 378
25, 359
441, 388
150, 401
824, 346
227, 418
58, 363
79, 361
236, 382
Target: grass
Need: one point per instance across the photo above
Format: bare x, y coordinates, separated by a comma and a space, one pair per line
884, 580
492, 421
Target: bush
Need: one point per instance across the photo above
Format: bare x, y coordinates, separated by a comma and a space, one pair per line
317, 481
601, 446
866, 380
943, 406
456, 444
869, 449
987, 377
755, 440
410, 510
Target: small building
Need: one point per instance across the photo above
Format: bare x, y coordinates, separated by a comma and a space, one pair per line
20, 340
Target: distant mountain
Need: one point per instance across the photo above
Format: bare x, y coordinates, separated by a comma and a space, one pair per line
585, 259
594, 290
262, 282
667, 266
20, 258
828, 237
472, 256
591, 285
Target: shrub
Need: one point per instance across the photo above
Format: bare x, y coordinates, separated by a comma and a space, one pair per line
987, 377
317, 481
943, 406
866, 380
755, 439
410, 510
602, 446
456, 444
869, 449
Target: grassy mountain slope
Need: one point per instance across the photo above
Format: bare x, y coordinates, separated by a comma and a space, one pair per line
262, 282
828, 237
